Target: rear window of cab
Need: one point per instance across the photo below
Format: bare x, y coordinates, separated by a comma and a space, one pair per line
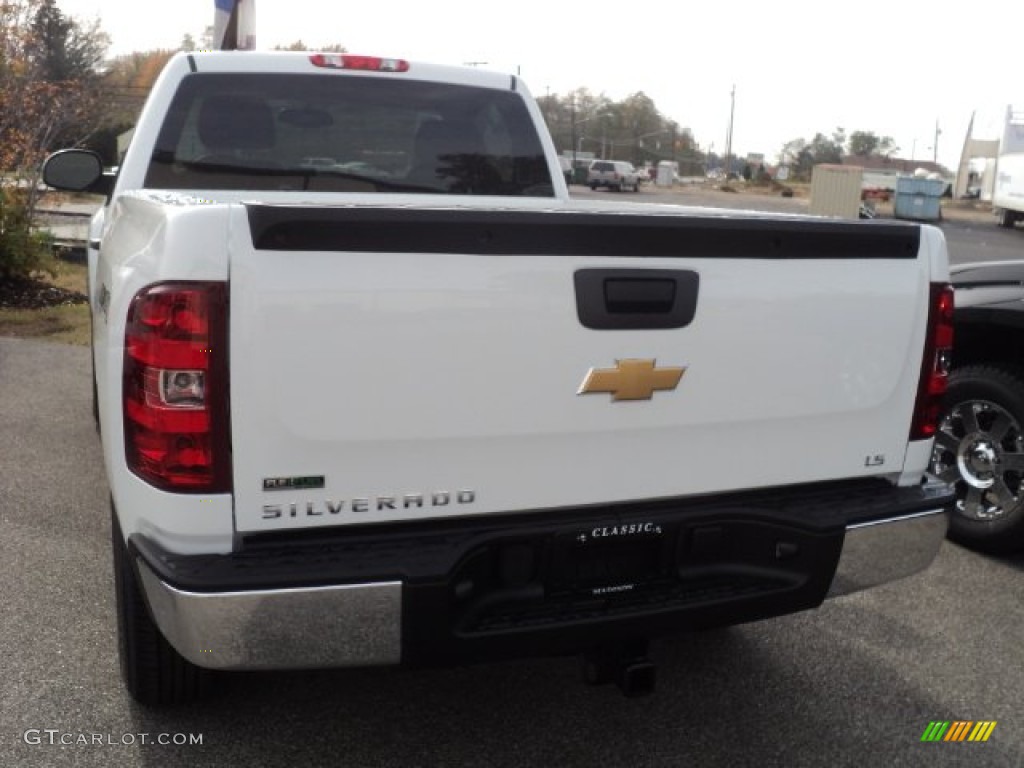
336, 133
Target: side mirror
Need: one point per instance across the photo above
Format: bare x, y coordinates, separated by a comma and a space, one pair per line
77, 170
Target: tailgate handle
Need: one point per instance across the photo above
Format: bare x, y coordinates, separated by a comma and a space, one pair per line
645, 295
636, 299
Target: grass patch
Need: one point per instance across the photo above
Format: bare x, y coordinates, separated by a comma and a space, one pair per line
70, 276
60, 324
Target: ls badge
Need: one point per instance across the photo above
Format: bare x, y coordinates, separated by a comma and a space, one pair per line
631, 379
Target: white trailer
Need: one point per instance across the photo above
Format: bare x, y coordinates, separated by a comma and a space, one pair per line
1008, 192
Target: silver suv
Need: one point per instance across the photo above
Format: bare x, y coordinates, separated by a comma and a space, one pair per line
614, 174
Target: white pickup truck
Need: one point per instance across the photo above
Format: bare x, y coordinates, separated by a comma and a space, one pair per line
373, 390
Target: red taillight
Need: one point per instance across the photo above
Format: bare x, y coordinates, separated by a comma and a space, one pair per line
364, 63
176, 387
938, 353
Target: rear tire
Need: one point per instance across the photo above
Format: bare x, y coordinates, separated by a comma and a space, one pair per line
1007, 218
979, 447
153, 672
92, 367
95, 405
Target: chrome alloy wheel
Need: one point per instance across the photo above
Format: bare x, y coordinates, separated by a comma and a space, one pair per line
979, 446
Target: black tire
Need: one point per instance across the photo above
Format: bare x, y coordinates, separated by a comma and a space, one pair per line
593, 187
1007, 218
95, 405
92, 365
980, 448
153, 672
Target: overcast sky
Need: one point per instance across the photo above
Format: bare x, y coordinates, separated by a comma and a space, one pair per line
798, 66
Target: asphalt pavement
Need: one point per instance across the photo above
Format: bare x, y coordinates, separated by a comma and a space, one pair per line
854, 683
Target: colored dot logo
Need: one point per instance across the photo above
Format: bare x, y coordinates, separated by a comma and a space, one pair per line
958, 730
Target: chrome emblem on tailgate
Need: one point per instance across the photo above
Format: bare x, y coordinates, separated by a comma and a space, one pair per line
631, 379
329, 507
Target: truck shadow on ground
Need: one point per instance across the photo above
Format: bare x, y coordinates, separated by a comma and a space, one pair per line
1013, 561
739, 696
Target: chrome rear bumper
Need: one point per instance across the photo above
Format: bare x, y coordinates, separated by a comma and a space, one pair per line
313, 627
362, 624
885, 550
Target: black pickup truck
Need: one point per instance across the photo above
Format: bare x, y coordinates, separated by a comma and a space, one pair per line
980, 442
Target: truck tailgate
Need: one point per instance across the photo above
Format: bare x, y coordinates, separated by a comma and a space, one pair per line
395, 364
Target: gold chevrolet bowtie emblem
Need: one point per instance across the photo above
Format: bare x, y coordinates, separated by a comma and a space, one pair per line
631, 380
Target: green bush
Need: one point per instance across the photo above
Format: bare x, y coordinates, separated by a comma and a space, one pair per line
23, 251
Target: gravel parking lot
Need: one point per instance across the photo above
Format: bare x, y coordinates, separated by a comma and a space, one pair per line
854, 683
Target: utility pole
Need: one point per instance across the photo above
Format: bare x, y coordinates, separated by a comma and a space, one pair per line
572, 132
935, 147
728, 135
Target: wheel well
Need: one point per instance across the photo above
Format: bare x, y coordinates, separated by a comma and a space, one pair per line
985, 343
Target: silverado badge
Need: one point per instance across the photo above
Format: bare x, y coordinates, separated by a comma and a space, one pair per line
631, 379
